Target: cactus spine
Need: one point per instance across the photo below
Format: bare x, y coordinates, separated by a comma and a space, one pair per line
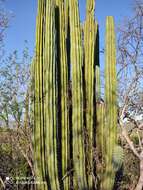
111, 103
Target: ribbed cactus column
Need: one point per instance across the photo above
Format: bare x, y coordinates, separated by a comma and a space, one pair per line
63, 84
50, 96
100, 116
100, 132
90, 31
77, 97
38, 105
100, 119
100, 141
111, 103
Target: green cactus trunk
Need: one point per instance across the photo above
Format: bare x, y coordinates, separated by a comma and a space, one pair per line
111, 103
51, 138
38, 108
63, 89
77, 98
100, 141
100, 118
90, 31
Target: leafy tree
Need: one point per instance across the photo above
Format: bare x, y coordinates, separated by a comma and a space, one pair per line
130, 92
4, 21
14, 81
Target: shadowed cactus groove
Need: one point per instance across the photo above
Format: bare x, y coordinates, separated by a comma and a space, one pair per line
63, 86
97, 66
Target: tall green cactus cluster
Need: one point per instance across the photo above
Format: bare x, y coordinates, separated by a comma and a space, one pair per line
71, 124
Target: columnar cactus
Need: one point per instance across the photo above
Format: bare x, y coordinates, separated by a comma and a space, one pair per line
90, 31
51, 103
63, 88
100, 140
100, 118
62, 59
80, 181
38, 129
110, 102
